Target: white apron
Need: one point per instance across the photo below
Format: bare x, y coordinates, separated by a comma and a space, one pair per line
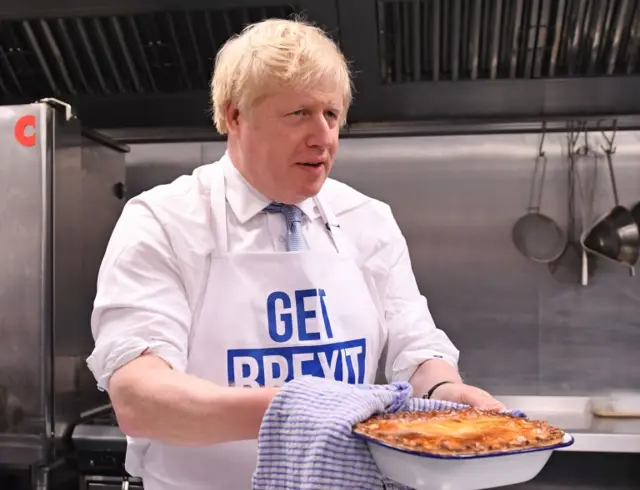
265, 319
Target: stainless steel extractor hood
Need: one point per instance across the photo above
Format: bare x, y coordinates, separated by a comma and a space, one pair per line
414, 59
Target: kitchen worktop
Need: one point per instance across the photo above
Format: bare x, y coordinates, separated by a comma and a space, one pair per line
100, 446
574, 415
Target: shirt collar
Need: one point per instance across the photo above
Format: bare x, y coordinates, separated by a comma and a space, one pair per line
245, 201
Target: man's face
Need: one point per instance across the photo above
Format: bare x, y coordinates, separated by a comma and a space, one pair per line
287, 142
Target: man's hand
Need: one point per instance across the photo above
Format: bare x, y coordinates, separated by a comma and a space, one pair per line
468, 395
434, 371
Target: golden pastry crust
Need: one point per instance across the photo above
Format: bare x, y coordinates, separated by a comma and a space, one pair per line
469, 431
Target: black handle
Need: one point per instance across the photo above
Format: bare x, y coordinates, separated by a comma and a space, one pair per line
120, 190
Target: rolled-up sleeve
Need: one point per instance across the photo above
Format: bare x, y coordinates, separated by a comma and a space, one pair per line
141, 303
413, 337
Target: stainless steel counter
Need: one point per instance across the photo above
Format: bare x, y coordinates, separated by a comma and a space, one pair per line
574, 415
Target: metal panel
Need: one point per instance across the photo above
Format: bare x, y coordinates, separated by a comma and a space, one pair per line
490, 99
184, 109
151, 52
88, 175
518, 328
474, 71
25, 262
359, 40
481, 101
149, 64
494, 39
97, 482
59, 204
375, 130
324, 14
456, 198
30, 9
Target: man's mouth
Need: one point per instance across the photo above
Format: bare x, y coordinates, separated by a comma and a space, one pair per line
311, 164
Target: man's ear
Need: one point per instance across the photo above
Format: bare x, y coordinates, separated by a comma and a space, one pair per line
232, 115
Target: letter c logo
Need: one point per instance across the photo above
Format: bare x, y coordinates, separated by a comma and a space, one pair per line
20, 130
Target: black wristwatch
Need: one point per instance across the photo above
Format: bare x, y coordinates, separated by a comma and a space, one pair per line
427, 396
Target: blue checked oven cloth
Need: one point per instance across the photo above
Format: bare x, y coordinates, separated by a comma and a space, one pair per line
306, 440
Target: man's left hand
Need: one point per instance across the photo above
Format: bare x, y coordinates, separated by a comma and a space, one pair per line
468, 395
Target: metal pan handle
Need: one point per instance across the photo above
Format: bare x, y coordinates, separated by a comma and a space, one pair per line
612, 175
534, 206
608, 151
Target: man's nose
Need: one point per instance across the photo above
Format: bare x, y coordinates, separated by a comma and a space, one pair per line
321, 133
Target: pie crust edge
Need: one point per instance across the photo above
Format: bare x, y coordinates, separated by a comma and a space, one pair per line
500, 433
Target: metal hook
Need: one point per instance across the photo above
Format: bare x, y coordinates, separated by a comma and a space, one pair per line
541, 144
570, 137
579, 127
574, 137
586, 138
611, 149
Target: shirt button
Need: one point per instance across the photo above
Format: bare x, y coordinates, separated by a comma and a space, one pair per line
282, 239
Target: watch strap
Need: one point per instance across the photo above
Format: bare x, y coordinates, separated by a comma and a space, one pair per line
434, 388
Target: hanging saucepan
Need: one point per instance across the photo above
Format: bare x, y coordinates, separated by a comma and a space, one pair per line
616, 235
535, 235
635, 212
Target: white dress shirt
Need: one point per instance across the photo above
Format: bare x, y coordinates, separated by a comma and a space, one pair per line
155, 269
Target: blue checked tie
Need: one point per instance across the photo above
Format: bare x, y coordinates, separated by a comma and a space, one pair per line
293, 217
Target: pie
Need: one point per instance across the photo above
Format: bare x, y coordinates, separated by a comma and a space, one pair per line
469, 431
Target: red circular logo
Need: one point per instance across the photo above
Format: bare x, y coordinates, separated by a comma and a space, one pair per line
20, 130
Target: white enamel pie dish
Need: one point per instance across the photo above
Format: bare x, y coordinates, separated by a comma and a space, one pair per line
423, 471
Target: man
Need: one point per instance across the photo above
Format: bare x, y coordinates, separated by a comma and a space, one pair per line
216, 283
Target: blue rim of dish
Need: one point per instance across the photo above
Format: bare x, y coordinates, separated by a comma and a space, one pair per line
568, 440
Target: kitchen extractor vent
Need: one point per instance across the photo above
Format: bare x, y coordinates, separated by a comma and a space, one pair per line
152, 53
430, 40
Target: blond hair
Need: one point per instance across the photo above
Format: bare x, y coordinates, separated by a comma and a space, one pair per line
272, 54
